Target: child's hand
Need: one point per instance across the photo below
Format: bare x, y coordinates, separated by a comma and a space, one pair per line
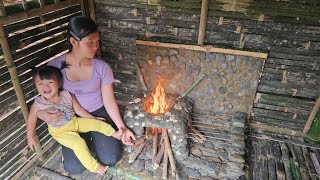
31, 143
117, 134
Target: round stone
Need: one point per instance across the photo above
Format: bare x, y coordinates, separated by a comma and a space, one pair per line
223, 90
211, 56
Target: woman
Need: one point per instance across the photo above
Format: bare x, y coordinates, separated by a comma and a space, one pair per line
90, 80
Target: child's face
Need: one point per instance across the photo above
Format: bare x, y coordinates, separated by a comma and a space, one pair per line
48, 88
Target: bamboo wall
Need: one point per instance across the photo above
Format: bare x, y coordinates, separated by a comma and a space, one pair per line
33, 40
287, 30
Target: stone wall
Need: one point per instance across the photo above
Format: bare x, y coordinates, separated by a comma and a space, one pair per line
229, 86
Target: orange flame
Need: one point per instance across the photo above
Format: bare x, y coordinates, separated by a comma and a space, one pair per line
157, 103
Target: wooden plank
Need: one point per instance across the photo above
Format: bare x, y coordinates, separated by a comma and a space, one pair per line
37, 12
205, 49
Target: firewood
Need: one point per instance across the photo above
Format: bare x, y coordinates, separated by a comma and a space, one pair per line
170, 155
133, 156
201, 136
140, 76
165, 163
138, 142
159, 156
154, 145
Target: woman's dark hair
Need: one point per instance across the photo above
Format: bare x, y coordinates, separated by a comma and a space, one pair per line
47, 72
80, 27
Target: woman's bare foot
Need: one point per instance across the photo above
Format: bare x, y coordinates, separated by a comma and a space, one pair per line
101, 169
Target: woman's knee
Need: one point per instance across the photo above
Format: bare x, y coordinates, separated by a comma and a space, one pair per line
110, 159
71, 163
73, 168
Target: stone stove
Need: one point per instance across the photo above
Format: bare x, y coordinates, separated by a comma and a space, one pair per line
217, 108
174, 120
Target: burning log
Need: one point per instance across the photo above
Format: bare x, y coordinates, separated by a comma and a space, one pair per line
133, 156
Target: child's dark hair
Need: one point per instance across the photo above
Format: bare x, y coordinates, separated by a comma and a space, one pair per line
47, 72
80, 27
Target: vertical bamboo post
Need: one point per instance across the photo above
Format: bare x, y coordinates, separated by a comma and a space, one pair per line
24, 5
203, 22
41, 2
93, 17
2, 9
83, 9
15, 79
56, 1
311, 117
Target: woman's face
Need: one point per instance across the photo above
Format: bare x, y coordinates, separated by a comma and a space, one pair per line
88, 46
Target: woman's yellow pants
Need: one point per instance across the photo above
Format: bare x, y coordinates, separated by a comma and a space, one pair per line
68, 136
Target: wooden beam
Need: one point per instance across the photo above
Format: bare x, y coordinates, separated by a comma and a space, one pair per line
204, 48
311, 117
36, 12
203, 22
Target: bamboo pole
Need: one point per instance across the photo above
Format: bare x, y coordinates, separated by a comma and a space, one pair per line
311, 117
83, 9
15, 80
24, 5
268, 128
204, 49
2, 9
193, 86
203, 22
94, 18
41, 2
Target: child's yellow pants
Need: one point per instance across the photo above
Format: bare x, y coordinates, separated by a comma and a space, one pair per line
68, 136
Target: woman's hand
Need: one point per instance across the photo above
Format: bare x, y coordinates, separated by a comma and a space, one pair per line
50, 116
31, 143
127, 136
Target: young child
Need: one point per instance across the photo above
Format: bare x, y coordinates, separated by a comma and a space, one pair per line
47, 80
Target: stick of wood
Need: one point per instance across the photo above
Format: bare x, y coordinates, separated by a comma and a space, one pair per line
138, 142
154, 145
140, 75
311, 117
193, 86
157, 160
202, 137
165, 163
133, 156
170, 155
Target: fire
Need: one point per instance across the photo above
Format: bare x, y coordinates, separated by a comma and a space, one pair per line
157, 103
